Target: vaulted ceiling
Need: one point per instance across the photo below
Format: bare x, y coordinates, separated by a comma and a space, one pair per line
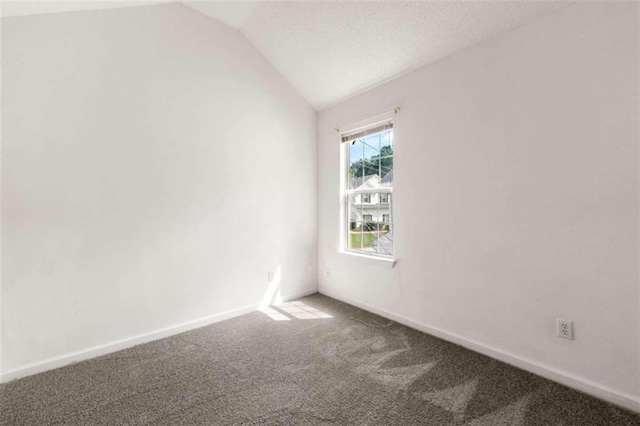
332, 50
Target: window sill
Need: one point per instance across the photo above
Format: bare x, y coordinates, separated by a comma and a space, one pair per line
370, 260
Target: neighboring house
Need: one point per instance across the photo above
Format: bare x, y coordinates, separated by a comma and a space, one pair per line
372, 207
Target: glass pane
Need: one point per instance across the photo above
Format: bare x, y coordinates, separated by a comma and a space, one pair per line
386, 209
386, 167
354, 233
370, 214
384, 240
364, 159
369, 234
356, 170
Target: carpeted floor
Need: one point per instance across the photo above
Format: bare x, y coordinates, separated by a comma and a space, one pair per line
311, 362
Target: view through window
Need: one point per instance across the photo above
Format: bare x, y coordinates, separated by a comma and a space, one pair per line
369, 190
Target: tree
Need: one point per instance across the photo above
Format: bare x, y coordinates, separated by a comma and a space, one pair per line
379, 164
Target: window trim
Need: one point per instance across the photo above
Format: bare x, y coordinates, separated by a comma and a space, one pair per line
384, 262
346, 137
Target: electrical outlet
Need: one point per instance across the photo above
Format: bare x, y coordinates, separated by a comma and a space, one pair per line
270, 275
565, 329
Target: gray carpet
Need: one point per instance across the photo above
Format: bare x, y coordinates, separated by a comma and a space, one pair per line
318, 361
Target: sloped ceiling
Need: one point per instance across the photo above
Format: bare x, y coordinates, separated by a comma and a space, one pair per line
332, 50
40, 7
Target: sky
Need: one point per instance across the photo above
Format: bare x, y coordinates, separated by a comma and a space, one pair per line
370, 145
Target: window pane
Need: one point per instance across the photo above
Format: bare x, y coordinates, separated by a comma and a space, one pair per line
356, 149
384, 241
364, 157
354, 232
369, 214
369, 234
386, 209
386, 167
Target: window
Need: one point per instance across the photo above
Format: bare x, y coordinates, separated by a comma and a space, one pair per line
369, 189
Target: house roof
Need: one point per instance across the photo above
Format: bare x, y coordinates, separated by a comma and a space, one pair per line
388, 178
357, 182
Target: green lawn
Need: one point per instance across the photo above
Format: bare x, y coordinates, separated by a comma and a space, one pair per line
368, 239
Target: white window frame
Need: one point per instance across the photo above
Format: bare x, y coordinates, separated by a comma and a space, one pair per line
383, 119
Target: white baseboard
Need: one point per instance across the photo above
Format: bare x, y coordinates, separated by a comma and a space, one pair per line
61, 361
597, 390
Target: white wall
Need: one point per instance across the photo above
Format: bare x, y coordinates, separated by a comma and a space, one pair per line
516, 199
154, 168
1, 195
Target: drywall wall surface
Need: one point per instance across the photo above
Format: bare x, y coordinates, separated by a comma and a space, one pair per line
516, 196
0, 198
154, 169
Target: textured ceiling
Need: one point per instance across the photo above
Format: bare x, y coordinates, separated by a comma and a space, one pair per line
233, 13
39, 7
331, 50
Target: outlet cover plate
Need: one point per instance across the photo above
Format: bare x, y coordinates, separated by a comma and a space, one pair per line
565, 329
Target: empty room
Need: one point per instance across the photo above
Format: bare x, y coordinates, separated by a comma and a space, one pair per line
319, 213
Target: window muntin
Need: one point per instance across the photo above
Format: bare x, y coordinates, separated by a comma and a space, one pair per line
369, 188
